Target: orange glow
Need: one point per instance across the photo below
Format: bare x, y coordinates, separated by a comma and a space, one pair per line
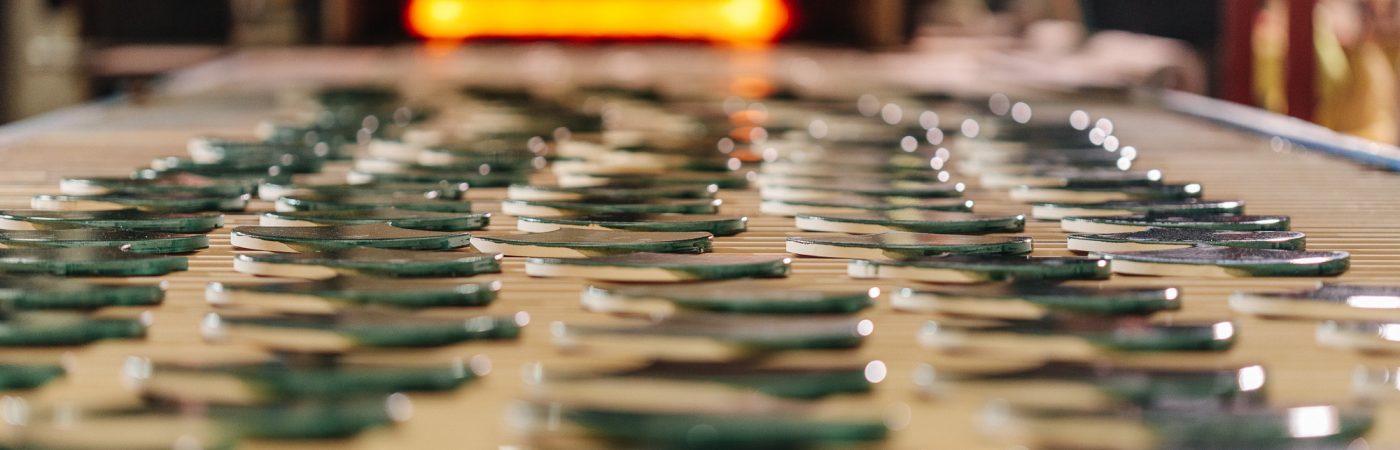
748, 117
729, 21
751, 87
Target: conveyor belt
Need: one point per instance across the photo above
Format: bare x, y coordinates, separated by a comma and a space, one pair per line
1339, 204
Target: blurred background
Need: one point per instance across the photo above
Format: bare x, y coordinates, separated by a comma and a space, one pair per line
1333, 62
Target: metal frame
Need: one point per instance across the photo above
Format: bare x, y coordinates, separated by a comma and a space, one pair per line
1291, 129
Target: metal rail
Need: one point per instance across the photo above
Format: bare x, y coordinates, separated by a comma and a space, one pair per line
1296, 131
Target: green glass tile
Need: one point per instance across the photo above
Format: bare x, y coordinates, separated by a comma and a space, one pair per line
644, 94
478, 165
1374, 381
165, 202
300, 239
1037, 134
347, 380
491, 149
457, 158
518, 95
1072, 178
359, 202
1329, 301
799, 380
983, 268
655, 206
493, 179
623, 162
1125, 334
911, 220
281, 165
908, 189
903, 245
280, 381
1039, 154
1033, 300
249, 179
297, 156
817, 162
178, 183
28, 376
402, 218
539, 192
357, 95
31, 329
858, 204
1130, 223
492, 152
741, 296
1168, 238
271, 192
748, 334
122, 430
1258, 427
369, 261
729, 429
131, 241
356, 290
508, 143
1105, 194
334, 137
217, 148
662, 267
125, 219
1374, 336
1022, 161
713, 224
775, 179
1143, 387
1214, 261
40, 292
92, 261
367, 328
310, 419
1057, 211
170, 166
578, 243
670, 178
